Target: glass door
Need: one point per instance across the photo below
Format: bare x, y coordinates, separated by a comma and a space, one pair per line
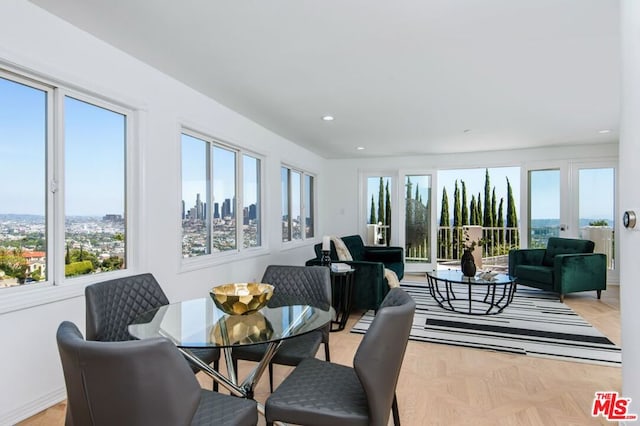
379, 210
596, 209
544, 213
416, 231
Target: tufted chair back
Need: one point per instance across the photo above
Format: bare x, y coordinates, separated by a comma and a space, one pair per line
112, 305
299, 285
134, 383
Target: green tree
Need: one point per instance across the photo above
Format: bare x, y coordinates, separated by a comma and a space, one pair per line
381, 202
112, 263
67, 256
372, 216
473, 217
486, 218
387, 213
479, 209
465, 209
513, 239
500, 223
14, 264
445, 231
408, 204
494, 232
457, 221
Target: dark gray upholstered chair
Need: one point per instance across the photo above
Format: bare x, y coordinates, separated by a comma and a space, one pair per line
294, 285
322, 393
139, 382
112, 305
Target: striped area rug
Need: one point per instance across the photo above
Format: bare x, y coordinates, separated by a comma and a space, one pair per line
535, 324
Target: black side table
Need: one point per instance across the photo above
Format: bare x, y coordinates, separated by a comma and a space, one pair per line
341, 297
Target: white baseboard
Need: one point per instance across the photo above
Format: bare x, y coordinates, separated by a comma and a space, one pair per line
33, 407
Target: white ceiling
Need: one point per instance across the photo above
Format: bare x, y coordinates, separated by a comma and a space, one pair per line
401, 77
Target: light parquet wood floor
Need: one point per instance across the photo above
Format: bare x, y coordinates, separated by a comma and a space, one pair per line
446, 385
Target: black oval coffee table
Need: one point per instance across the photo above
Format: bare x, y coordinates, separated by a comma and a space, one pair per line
471, 295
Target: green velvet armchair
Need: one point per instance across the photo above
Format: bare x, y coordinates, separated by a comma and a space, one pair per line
370, 285
567, 265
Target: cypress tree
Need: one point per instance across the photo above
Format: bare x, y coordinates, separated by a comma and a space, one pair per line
372, 216
479, 209
457, 221
381, 202
465, 210
444, 224
512, 219
473, 218
387, 213
500, 223
493, 233
486, 218
409, 208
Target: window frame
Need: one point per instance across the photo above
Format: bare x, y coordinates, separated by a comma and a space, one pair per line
239, 252
58, 287
303, 209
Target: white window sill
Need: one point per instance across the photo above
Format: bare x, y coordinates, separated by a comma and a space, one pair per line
221, 258
36, 294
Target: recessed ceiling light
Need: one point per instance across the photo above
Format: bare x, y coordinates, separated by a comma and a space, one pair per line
327, 117
360, 148
603, 131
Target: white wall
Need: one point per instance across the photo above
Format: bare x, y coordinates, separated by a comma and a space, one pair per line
630, 200
31, 39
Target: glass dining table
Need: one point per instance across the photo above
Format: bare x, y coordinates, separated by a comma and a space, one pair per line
198, 323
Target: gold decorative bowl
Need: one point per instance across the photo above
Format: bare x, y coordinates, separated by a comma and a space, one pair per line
243, 330
241, 298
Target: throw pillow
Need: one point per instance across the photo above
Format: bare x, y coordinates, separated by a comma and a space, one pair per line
341, 249
392, 278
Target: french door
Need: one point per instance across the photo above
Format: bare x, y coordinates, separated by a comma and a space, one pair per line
417, 217
573, 200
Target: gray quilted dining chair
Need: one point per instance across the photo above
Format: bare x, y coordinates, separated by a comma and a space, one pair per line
319, 393
293, 285
139, 383
112, 305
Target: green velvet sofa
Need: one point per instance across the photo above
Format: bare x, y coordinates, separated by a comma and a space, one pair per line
369, 284
567, 265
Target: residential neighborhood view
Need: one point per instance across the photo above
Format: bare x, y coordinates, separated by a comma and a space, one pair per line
93, 245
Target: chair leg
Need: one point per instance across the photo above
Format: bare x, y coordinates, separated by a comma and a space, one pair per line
327, 356
394, 409
216, 366
599, 293
271, 377
561, 298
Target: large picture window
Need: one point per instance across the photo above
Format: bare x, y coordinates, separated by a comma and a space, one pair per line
221, 210
85, 160
298, 190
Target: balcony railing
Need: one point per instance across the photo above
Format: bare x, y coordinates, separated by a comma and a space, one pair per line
495, 242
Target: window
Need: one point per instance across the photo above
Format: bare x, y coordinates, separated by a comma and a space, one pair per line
221, 195
297, 204
91, 151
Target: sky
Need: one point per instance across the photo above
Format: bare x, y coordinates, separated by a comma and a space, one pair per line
95, 158
194, 173
94, 154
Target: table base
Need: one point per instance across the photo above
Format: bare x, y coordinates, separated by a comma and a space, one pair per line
471, 298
